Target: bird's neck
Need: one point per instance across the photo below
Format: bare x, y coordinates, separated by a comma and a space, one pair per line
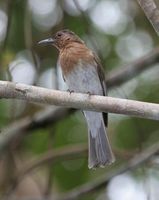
72, 54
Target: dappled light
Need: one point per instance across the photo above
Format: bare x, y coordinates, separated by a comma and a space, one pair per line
140, 40
22, 70
47, 79
46, 15
71, 8
113, 21
44, 143
126, 187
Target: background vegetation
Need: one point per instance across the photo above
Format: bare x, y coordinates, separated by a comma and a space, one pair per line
48, 158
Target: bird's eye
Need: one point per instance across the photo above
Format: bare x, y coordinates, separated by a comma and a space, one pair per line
68, 38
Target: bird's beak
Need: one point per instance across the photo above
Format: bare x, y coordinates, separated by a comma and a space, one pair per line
47, 41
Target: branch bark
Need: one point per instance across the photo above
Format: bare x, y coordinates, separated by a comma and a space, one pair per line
152, 12
35, 94
49, 116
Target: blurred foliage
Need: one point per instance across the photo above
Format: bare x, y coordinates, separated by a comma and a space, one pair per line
27, 27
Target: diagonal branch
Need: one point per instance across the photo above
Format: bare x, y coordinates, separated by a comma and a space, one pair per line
123, 74
102, 182
151, 11
77, 151
35, 94
40, 119
62, 153
9, 14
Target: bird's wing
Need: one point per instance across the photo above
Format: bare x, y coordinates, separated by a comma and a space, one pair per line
101, 75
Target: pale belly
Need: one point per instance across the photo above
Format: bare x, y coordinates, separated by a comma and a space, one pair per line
84, 79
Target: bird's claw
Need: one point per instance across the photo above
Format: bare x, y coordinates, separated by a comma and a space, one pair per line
70, 91
89, 93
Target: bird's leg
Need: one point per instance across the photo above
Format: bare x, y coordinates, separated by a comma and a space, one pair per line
89, 93
70, 91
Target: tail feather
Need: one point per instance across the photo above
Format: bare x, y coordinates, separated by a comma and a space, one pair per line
100, 153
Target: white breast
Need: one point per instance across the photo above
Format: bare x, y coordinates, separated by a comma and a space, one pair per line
84, 79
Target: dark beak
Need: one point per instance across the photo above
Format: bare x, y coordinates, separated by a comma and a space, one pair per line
47, 41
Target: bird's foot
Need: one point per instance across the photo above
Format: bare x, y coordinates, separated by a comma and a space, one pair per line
89, 93
70, 91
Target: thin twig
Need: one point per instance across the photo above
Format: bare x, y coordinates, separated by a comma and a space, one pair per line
9, 14
151, 11
39, 120
10, 90
87, 21
64, 153
28, 37
50, 169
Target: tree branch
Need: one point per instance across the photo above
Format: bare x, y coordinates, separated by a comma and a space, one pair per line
9, 11
35, 94
76, 152
40, 119
123, 74
104, 180
45, 117
63, 153
151, 11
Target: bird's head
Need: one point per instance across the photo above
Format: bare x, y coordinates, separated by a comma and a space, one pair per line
61, 39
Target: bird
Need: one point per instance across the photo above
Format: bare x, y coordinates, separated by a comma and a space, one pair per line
83, 73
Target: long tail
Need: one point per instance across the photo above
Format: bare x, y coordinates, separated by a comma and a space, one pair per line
100, 153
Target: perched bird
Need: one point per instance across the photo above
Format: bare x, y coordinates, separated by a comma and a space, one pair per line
83, 73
